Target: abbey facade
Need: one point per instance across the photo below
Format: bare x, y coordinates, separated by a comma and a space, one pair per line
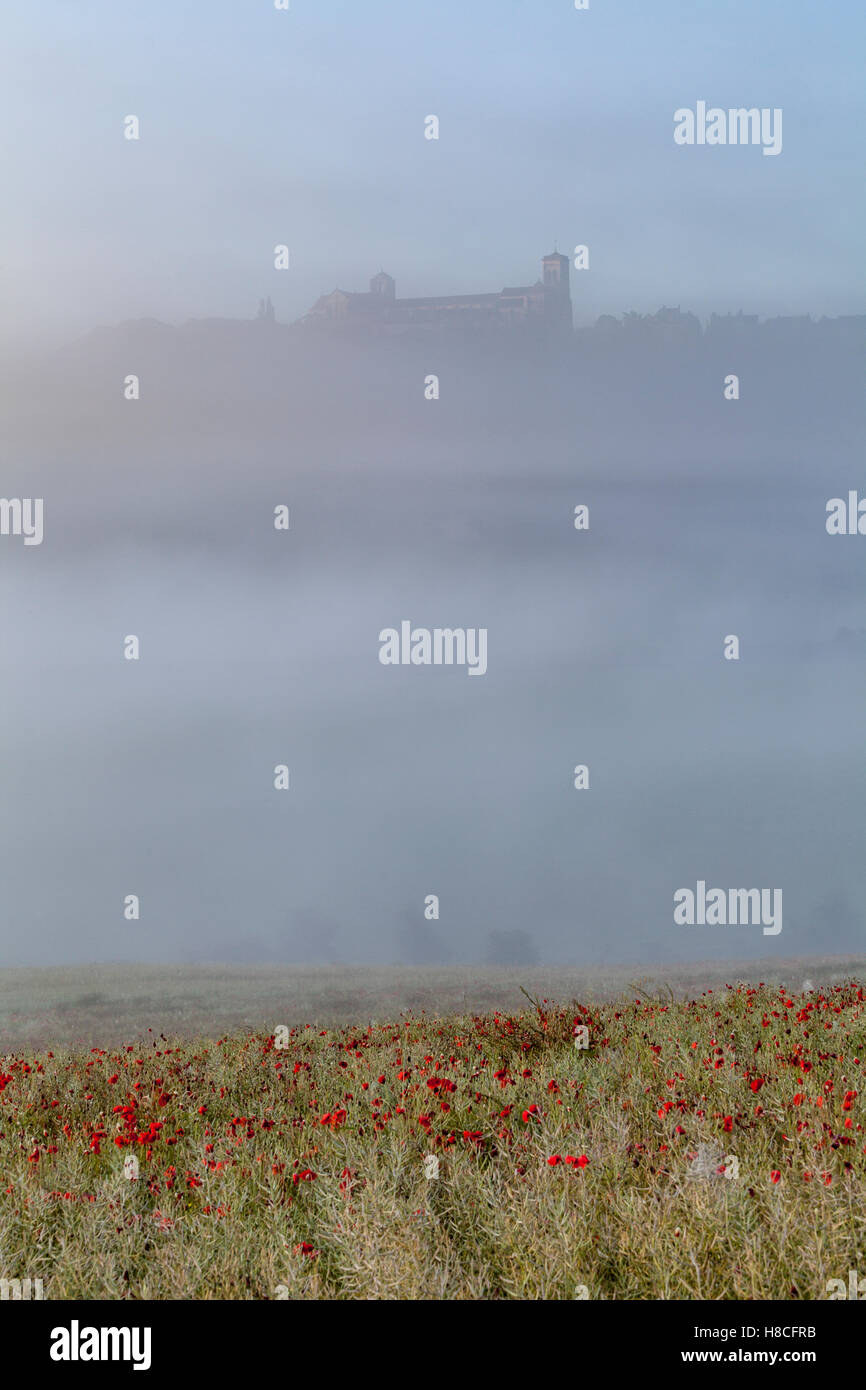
546, 305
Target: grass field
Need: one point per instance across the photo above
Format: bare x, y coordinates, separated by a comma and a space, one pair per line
96, 1005
700, 1148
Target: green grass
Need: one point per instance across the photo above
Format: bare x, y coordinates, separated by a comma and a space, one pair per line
221, 1209
97, 1005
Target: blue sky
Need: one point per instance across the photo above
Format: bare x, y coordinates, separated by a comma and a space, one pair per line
306, 127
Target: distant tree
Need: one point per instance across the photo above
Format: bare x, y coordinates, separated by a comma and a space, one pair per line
419, 943
311, 940
511, 948
634, 322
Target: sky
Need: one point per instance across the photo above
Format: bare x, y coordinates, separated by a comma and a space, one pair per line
306, 128
260, 647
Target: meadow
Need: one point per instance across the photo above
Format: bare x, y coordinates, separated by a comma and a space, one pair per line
645, 1146
98, 1004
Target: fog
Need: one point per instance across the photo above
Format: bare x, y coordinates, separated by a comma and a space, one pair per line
260, 647
306, 127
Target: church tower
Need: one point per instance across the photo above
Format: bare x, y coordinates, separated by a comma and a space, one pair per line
557, 294
383, 284
555, 271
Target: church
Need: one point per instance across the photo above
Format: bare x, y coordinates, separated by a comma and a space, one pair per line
545, 305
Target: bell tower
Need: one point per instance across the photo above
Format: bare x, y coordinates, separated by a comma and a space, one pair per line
555, 271
383, 284
557, 293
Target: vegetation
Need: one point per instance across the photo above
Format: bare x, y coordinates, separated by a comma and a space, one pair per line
701, 1149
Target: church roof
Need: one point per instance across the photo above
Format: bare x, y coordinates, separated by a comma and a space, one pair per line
365, 306
449, 299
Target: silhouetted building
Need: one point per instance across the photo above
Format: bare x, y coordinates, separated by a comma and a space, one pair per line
546, 304
732, 328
